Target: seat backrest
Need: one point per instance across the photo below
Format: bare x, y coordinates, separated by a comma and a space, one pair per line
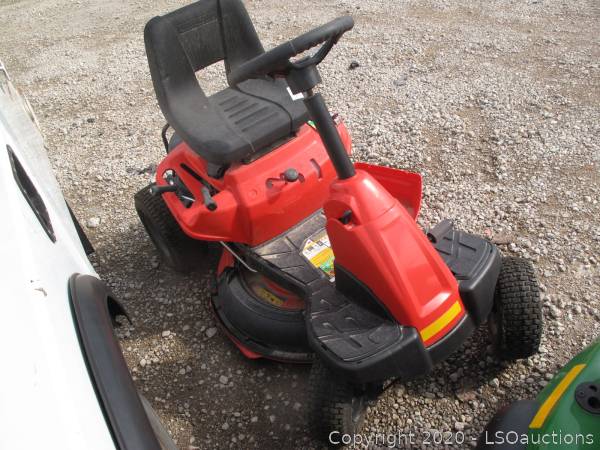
189, 39
207, 31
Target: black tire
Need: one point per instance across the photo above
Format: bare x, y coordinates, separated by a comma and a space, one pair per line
177, 250
516, 321
263, 327
335, 404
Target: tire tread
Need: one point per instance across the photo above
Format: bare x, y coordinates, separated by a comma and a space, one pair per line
330, 404
185, 251
518, 310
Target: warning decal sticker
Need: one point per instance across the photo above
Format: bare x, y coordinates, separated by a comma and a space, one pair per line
318, 251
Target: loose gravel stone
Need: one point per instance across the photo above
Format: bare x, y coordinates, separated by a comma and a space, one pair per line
93, 222
211, 332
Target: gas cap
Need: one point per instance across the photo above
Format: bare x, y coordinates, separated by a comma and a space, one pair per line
588, 397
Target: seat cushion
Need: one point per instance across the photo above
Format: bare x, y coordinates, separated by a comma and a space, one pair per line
256, 114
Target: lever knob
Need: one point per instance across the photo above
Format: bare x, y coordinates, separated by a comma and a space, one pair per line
290, 175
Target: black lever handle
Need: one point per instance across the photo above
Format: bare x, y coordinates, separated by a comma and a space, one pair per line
159, 190
210, 204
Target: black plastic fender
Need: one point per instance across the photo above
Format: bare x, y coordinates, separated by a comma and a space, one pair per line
94, 310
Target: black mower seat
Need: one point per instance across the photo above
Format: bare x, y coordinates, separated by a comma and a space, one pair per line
237, 122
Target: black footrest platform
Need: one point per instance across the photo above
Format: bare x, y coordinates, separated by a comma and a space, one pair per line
474, 261
358, 342
363, 344
287, 252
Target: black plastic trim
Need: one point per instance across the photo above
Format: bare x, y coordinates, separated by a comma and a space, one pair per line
477, 293
360, 344
85, 242
271, 271
352, 287
407, 359
476, 264
31, 194
453, 340
93, 309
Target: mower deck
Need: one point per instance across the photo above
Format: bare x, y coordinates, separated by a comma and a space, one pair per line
257, 328
267, 321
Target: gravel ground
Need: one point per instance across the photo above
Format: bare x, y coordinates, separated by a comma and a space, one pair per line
496, 103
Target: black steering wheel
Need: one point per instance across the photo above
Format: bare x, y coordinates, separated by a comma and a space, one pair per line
276, 62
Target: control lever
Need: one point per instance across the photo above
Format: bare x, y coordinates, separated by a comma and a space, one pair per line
160, 190
290, 175
210, 204
208, 201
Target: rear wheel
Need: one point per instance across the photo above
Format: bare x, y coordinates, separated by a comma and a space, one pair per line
516, 321
336, 405
176, 249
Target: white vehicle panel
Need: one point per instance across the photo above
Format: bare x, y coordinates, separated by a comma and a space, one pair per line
47, 399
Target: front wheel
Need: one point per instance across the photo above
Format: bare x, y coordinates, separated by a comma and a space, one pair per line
337, 406
516, 321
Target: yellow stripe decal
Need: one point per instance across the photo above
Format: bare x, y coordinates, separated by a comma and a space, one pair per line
438, 324
555, 396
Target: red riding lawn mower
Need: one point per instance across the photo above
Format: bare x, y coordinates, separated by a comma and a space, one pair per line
322, 259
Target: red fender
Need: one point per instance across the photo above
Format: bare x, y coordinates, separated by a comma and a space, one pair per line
384, 248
